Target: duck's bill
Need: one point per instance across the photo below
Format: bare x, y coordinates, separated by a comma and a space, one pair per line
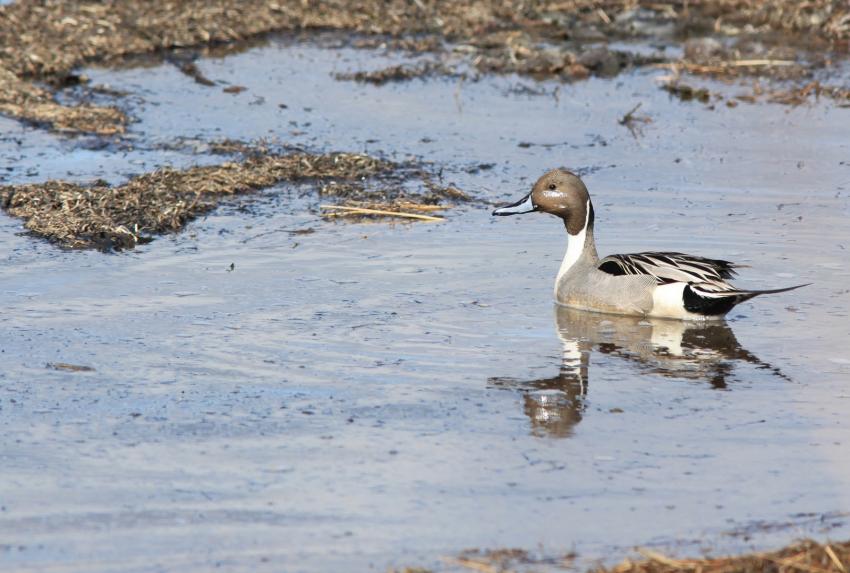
524, 205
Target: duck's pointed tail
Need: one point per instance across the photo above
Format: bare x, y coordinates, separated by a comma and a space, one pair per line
716, 298
748, 294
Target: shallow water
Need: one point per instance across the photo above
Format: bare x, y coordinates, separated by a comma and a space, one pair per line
374, 395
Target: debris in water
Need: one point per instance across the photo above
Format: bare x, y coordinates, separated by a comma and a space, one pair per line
114, 218
634, 123
687, 92
805, 556
68, 367
509, 559
191, 69
386, 211
398, 73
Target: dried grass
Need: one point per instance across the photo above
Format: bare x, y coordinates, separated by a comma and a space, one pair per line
804, 557
509, 560
401, 210
48, 39
24, 100
402, 72
801, 557
818, 19
106, 217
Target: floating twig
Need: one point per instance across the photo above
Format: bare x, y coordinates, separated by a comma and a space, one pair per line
722, 67
633, 122
834, 558
740, 63
473, 564
368, 211
656, 556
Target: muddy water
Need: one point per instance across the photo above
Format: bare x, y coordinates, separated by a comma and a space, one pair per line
375, 395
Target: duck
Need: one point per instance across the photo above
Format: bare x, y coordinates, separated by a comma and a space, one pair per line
652, 284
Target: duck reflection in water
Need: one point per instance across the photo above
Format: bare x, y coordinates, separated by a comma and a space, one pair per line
691, 350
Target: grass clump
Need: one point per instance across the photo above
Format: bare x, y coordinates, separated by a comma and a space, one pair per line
120, 217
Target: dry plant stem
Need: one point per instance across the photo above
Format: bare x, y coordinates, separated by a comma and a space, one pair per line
474, 565
630, 116
835, 559
368, 211
721, 68
655, 556
633, 122
762, 63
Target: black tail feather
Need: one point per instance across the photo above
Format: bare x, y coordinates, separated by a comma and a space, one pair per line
719, 305
747, 295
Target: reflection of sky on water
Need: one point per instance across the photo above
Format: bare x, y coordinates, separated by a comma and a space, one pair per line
332, 390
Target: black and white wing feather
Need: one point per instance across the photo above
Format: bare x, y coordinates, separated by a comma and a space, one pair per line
669, 267
706, 291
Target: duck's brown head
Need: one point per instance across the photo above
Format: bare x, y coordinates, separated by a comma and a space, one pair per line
560, 193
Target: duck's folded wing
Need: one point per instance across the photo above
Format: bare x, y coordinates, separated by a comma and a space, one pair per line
669, 267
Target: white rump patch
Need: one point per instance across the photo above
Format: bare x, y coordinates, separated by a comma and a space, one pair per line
668, 302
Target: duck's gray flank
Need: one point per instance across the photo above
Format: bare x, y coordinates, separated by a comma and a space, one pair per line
662, 284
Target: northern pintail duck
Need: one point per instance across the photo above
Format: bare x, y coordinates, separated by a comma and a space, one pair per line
665, 285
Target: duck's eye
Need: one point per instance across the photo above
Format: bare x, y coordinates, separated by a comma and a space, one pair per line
552, 187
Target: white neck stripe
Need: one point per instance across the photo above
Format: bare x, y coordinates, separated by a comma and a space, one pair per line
575, 248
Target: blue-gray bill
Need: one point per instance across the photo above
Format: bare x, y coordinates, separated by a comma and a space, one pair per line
524, 205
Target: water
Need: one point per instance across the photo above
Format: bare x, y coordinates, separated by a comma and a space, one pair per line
376, 395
